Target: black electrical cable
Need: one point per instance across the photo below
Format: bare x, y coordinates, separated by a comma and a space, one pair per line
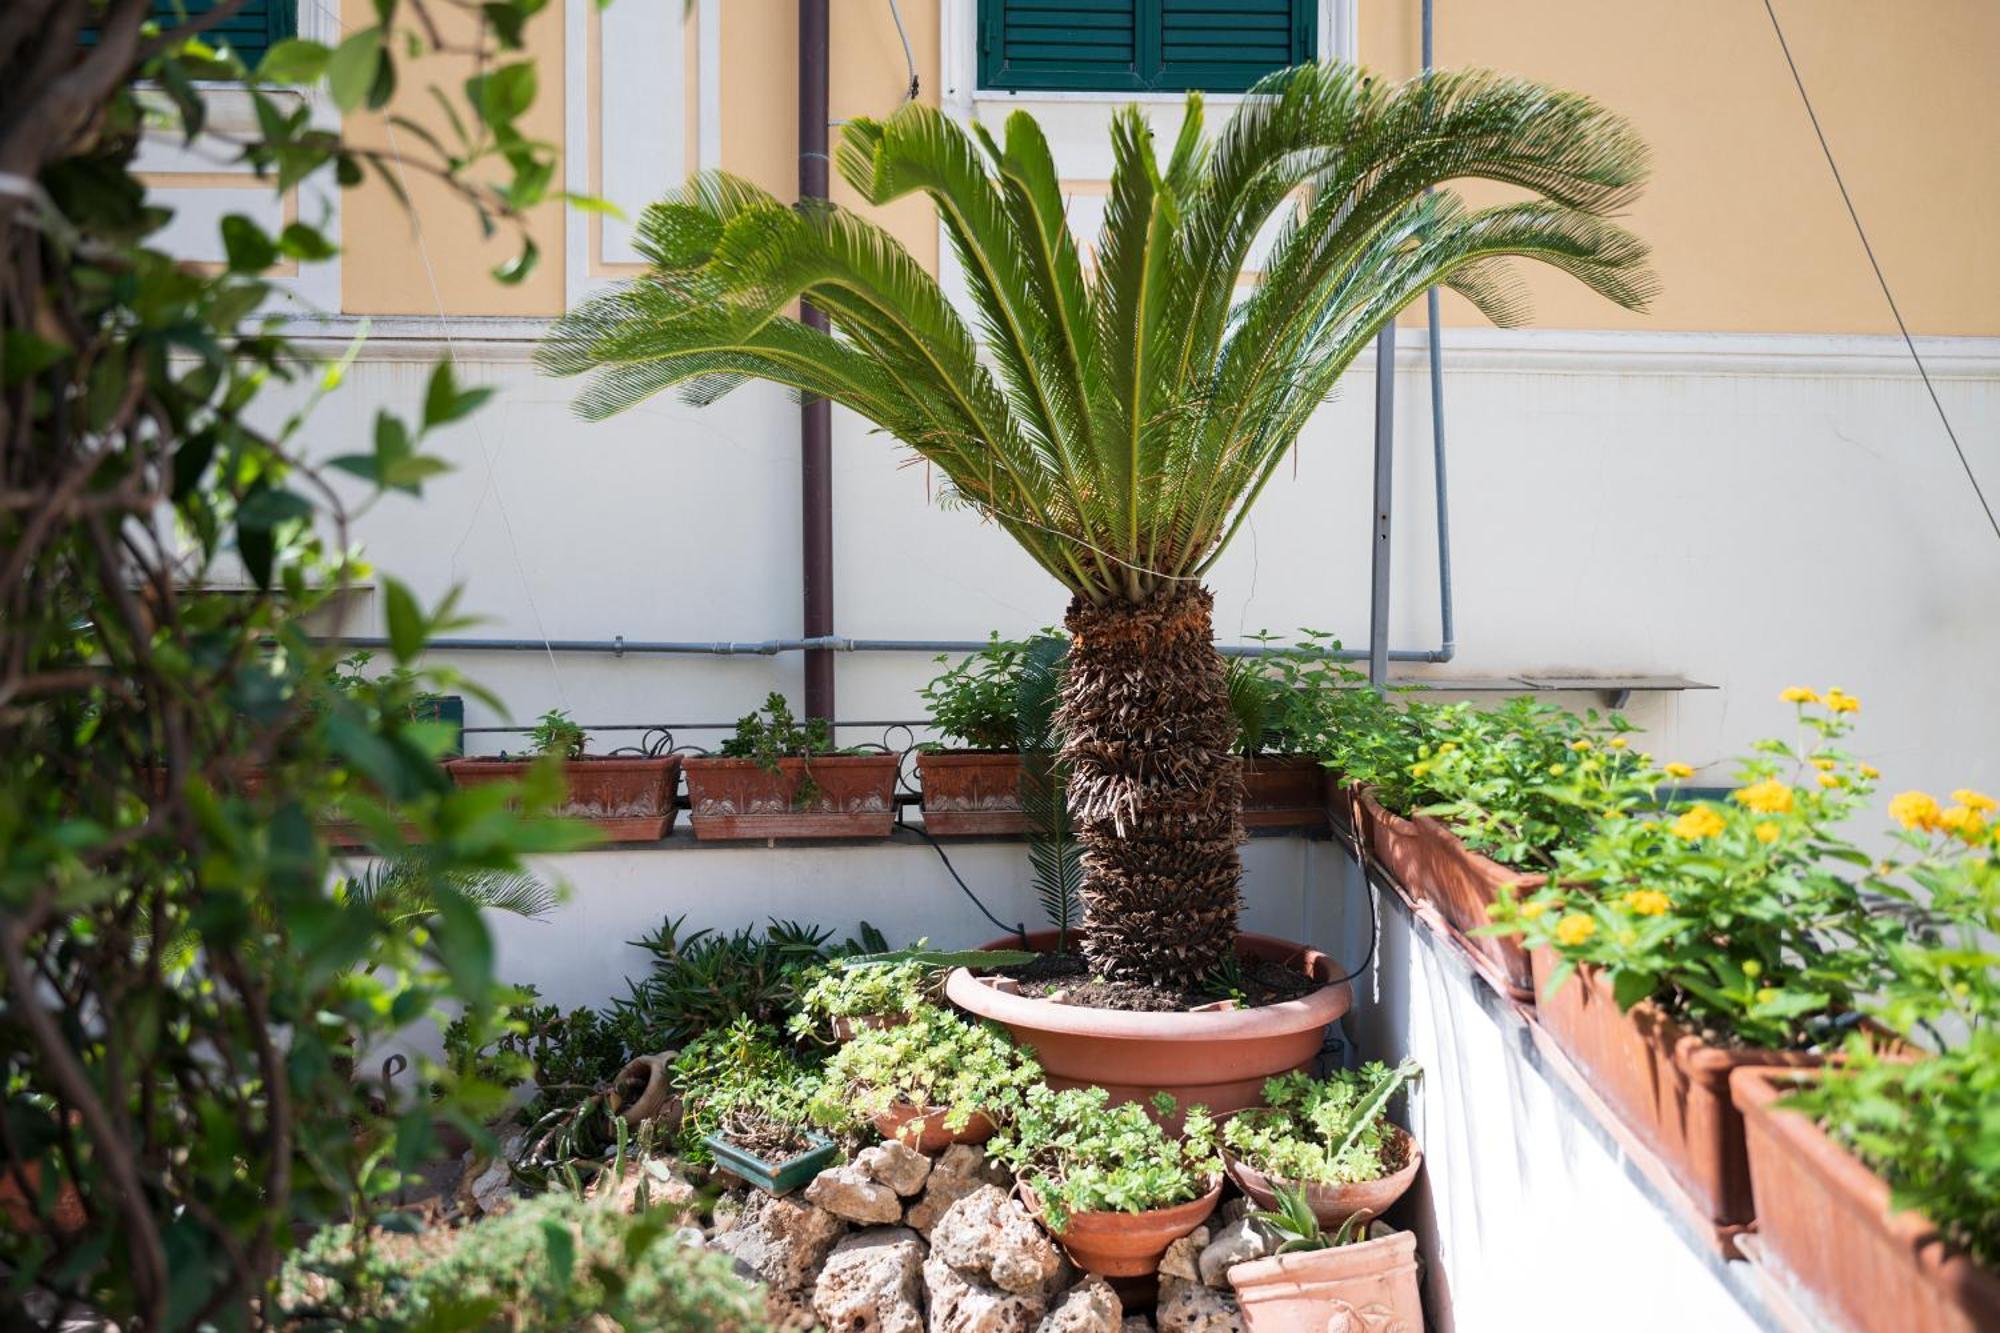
1873, 263
1019, 929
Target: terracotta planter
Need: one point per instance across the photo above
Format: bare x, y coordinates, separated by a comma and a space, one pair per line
632, 798
1397, 843
1334, 1204
1283, 791
734, 799
1342, 801
1126, 1244
20, 1198
1462, 885
1669, 1086
1368, 1286
1824, 1220
1218, 1059
971, 792
923, 1128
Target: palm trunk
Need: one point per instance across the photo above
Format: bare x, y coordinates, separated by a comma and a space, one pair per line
1158, 799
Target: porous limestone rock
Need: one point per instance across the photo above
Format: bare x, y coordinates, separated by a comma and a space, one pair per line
1236, 1243
1182, 1257
849, 1192
873, 1283
1089, 1307
991, 1237
959, 1170
962, 1303
1190, 1307
782, 1243
895, 1164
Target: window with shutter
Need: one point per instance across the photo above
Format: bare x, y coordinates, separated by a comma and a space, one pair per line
1141, 45
251, 31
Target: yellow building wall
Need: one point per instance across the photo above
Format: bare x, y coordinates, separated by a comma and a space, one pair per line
429, 258
1747, 226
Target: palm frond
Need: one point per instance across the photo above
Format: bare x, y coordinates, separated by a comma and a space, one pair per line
406, 889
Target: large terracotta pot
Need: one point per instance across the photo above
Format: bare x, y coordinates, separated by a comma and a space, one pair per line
1670, 1087
1127, 1244
1367, 1287
1397, 844
924, 1128
1283, 791
1824, 1220
631, 797
1334, 1204
976, 792
1463, 885
735, 800
1218, 1059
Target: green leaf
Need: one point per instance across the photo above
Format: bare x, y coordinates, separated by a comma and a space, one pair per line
445, 402
307, 244
350, 71
462, 942
249, 249
501, 96
23, 354
407, 631
294, 60
517, 269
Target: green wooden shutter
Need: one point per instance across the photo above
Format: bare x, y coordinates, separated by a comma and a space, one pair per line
250, 31
1141, 45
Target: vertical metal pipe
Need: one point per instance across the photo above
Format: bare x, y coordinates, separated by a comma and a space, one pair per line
815, 414
1447, 632
1385, 458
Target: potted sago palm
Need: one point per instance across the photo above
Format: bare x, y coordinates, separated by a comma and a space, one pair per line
1118, 420
632, 797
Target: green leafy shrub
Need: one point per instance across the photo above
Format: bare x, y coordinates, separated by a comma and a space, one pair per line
1331, 1131
937, 1059
554, 733
977, 701
706, 980
773, 733
1743, 918
1082, 1155
553, 1263
742, 1064
565, 1054
855, 990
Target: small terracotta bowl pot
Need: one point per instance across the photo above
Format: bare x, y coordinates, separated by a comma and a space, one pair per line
1334, 1204
1127, 1244
923, 1127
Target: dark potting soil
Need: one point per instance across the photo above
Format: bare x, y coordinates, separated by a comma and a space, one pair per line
1258, 982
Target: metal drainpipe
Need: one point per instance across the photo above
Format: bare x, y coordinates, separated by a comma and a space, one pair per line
1448, 642
815, 414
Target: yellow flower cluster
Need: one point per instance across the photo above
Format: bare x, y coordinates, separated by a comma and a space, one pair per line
1529, 911
1799, 694
1767, 832
1915, 810
1840, 701
1698, 822
1965, 819
1679, 770
1647, 902
1769, 797
1574, 929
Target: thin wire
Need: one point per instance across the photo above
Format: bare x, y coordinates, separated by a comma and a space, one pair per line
1875, 264
1019, 929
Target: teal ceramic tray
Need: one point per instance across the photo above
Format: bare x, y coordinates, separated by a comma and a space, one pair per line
782, 1177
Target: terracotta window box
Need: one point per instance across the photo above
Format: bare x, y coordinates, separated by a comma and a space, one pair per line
1283, 791
1824, 1221
971, 792
735, 800
1396, 842
1669, 1086
1463, 885
631, 797
1342, 800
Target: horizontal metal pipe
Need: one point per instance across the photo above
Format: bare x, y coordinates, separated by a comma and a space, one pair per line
620, 646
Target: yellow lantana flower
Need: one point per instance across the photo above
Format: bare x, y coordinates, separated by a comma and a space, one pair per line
1869, 771
1975, 800
1647, 902
1915, 810
1769, 797
1698, 822
1767, 833
1840, 701
1574, 929
1679, 770
1799, 694
1579, 746
1832, 780
1529, 911
1617, 742
1823, 764
1964, 822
